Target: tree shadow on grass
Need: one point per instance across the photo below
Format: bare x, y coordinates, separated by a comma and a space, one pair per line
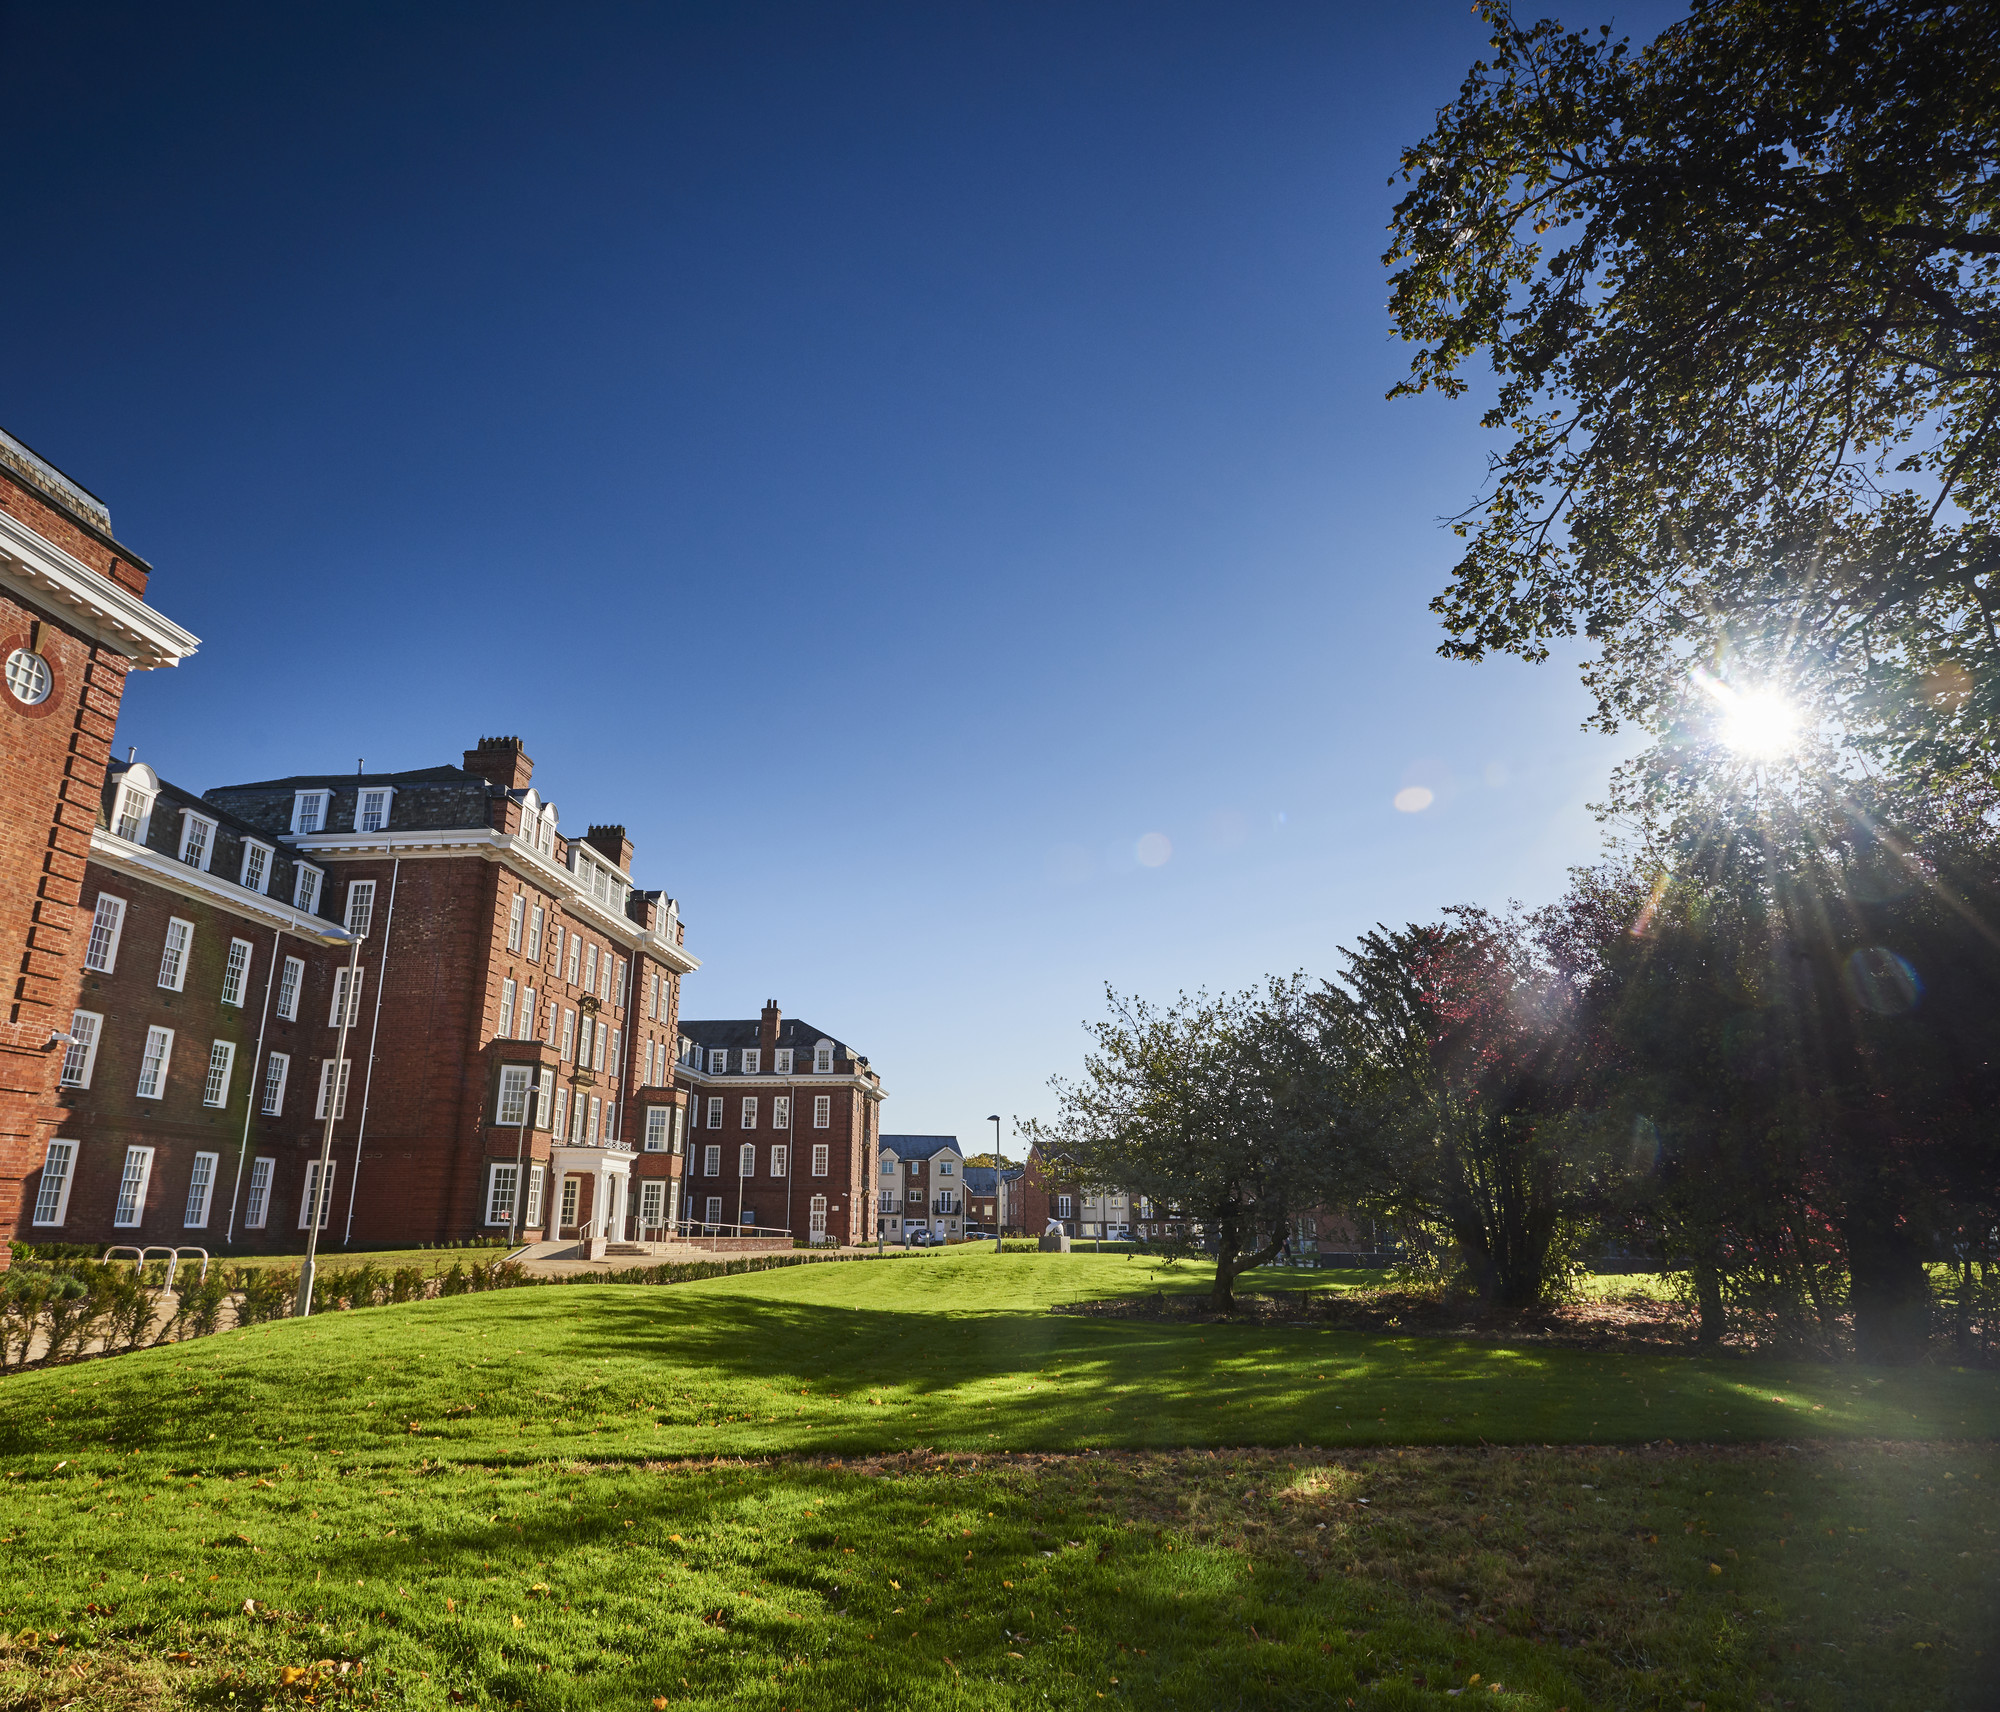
631, 1372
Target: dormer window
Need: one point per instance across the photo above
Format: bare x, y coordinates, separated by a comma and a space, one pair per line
371, 809
134, 817
753, 1061
823, 1058
197, 839
782, 1061
309, 810
718, 1061
256, 866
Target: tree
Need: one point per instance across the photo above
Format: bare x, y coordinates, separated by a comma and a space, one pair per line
1216, 1109
1740, 291
1462, 1050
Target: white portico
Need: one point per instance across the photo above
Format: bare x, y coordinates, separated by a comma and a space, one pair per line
608, 1170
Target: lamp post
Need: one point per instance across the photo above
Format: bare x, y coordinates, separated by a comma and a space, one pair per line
335, 1098
999, 1184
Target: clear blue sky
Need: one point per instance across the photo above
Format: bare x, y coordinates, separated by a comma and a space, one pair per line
907, 463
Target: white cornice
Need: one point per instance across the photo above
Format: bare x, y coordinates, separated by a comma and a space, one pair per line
42, 572
515, 853
163, 871
720, 1082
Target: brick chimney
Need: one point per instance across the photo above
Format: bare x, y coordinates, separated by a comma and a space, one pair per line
767, 1036
501, 761
611, 841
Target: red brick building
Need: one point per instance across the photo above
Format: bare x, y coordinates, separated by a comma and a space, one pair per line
73, 622
512, 1021
783, 1124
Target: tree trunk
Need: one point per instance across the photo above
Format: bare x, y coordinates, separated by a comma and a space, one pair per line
1890, 1295
1708, 1300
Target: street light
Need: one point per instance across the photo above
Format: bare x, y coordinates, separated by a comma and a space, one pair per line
999, 1183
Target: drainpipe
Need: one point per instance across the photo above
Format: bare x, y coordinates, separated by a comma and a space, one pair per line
256, 1080
375, 1028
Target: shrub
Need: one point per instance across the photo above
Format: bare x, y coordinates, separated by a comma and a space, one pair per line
24, 1293
265, 1293
408, 1284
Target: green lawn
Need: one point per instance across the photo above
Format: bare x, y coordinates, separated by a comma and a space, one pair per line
496, 1498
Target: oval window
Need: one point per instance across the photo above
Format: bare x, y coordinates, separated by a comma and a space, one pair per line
29, 679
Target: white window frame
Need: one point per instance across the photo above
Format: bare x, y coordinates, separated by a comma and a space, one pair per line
107, 927
780, 1159
80, 1055
310, 810
545, 1100
325, 1085
260, 881
753, 1061
502, 1179
360, 908
277, 1071
197, 851
1065, 1207
504, 1028
823, 1058
51, 1208
822, 1111
718, 1060
618, 986
575, 957
715, 1111
340, 991
175, 951
781, 1061
659, 1128
531, 1215
561, 1116
821, 1158
155, 1061
652, 1204
746, 1160
201, 1190
325, 1196
128, 1212
510, 1106
236, 972
571, 1203
363, 795
590, 968
535, 920
290, 981
749, 1117
596, 1129
257, 1203
517, 920
714, 1208
652, 995
711, 1159
944, 1168
781, 1111
816, 1217
133, 807
306, 883
221, 1067
568, 1035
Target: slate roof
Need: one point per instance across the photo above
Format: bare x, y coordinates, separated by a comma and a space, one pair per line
371, 781
980, 1179
918, 1146
800, 1036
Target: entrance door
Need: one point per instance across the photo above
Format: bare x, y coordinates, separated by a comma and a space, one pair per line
569, 1194
818, 1217
652, 1205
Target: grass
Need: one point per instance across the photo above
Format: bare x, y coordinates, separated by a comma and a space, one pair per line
609, 1497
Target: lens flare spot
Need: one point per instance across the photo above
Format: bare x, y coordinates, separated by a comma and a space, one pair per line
1414, 799
1154, 849
1757, 723
1883, 982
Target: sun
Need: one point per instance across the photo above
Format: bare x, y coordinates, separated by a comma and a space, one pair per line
1759, 723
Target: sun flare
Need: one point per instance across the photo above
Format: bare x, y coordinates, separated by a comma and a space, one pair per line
1756, 723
